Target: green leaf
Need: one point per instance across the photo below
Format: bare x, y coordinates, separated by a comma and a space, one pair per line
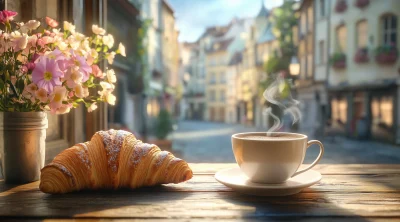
1, 84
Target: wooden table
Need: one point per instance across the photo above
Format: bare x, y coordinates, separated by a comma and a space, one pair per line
345, 193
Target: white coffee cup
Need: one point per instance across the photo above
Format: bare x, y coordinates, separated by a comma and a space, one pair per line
272, 159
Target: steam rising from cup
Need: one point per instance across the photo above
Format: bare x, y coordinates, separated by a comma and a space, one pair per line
278, 93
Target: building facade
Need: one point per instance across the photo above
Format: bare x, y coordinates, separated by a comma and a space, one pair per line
260, 45
313, 56
170, 56
364, 86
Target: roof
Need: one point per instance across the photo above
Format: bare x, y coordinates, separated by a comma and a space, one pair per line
267, 35
168, 6
263, 11
236, 58
220, 45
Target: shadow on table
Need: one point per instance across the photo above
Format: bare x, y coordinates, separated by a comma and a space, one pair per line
298, 207
29, 201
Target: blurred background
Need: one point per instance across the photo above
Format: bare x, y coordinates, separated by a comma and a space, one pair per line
196, 69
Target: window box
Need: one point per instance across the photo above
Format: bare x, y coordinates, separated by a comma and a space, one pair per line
386, 55
361, 56
361, 3
338, 60
341, 6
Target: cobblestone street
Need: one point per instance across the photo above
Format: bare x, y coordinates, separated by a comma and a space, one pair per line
211, 142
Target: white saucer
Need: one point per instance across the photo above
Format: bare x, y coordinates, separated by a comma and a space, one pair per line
235, 179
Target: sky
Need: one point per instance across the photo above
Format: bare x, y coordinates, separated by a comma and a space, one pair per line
193, 16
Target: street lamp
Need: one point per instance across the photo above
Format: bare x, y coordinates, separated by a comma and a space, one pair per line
294, 66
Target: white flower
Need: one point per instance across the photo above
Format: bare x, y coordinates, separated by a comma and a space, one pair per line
94, 53
106, 94
41, 94
30, 25
85, 91
69, 27
32, 40
63, 109
108, 40
97, 30
78, 91
31, 88
111, 76
62, 46
110, 57
121, 49
92, 107
110, 99
19, 40
57, 97
73, 77
107, 87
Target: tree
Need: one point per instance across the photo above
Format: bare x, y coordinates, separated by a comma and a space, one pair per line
284, 19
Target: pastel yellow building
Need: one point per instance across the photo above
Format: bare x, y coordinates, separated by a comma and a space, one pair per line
217, 66
170, 56
260, 46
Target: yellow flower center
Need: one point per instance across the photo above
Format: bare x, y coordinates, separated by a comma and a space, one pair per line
77, 63
48, 76
57, 97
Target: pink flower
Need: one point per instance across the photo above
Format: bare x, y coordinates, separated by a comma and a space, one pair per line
92, 107
60, 58
81, 64
31, 88
57, 97
24, 69
65, 108
41, 94
30, 65
97, 71
35, 57
45, 40
6, 16
47, 74
73, 77
51, 22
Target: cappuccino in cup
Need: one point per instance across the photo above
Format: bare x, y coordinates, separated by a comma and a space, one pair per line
272, 158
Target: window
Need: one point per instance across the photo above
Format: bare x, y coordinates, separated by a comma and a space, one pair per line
309, 65
382, 110
341, 38
321, 54
339, 110
303, 66
212, 95
303, 23
362, 34
322, 8
310, 19
222, 95
222, 78
213, 78
389, 30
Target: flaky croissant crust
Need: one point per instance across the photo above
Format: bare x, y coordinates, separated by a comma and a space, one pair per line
112, 159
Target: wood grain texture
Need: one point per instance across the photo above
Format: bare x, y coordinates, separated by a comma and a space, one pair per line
372, 196
325, 169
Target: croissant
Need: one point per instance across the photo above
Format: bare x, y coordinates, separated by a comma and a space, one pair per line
112, 159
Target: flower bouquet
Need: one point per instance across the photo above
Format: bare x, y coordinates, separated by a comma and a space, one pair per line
46, 69
386, 54
341, 6
361, 3
338, 60
361, 55
52, 69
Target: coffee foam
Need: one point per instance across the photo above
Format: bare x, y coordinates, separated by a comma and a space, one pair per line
277, 137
